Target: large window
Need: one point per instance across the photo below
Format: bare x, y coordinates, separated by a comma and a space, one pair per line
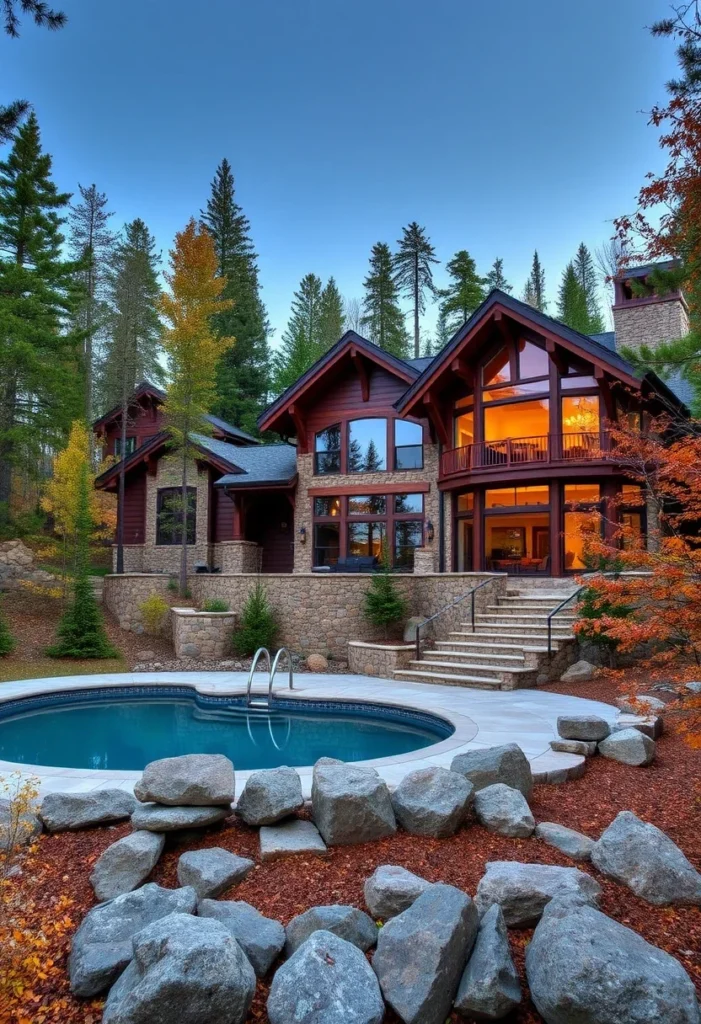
129, 446
533, 361
367, 505
580, 529
169, 515
511, 497
580, 414
367, 446
408, 445
327, 544
407, 537
498, 369
464, 429
362, 525
327, 450
366, 539
519, 420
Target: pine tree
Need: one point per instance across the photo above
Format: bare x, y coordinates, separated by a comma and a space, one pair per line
242, 373
464, 293
81, 632
382, 318
384, 605
258, 626
12, 114
534, 292
40, 385
495, 278
92, 247
192, 348
572, 301
586, 275
7, 641
413, 272
300, 342
330, 316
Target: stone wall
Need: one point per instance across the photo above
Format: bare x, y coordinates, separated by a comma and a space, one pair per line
205, 636
378, 659
647, 323
317, 614
237, 556
17, 564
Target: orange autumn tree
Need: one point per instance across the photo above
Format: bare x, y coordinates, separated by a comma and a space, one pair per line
193, 351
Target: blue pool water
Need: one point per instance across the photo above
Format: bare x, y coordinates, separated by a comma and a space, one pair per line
125, 728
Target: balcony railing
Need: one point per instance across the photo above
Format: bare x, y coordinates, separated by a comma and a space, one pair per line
543, 449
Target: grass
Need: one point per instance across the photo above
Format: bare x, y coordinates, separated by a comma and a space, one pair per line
43, 668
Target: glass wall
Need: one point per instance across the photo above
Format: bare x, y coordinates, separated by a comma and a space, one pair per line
519, 420
580, 528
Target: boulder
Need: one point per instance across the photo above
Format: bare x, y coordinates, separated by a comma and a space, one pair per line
524, 890
18, 827
327, 981
583, 747
629, 746
504, 810
583, 727
193, 780
291, 838
391, 890
566, 840
640, 704
432, 802
124, 865
580, 672
269, 796
642, 857
62, 812
185, 969
422, 953
507, 764
489, 987
585, 968
693, 687
145, 655
349, 923
211, 872
261, 938
191, 650
351, 805
102, 947
157, 818
317, 663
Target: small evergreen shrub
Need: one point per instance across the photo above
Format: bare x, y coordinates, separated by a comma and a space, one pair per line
153, 612
258, 625
592, 608
215, 604
7, 641
384, 605
173, 585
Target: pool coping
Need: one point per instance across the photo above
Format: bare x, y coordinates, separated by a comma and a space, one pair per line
475, 715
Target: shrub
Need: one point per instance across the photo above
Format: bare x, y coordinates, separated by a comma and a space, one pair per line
173, 585
7, 641
215, 604
258, 626
384, 605
153, 612
20, 799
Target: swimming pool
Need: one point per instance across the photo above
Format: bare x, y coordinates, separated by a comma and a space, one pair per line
123, 728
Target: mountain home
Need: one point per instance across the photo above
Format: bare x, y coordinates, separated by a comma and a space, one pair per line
492, 455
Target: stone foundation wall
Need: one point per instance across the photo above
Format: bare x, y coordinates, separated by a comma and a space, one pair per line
133, 557
377, 659
237, 556
123, 595
202, 635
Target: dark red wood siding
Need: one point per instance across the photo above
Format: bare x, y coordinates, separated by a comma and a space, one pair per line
135, 507
270, 522
144, 422
223, 519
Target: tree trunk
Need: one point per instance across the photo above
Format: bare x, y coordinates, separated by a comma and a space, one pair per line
417, 344
120, 492
7, 421
183, 546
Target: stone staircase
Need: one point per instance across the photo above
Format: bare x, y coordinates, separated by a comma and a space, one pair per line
508, 648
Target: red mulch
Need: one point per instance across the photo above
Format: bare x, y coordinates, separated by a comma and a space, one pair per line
666, 794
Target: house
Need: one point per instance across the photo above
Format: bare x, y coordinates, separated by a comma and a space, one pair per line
486, 457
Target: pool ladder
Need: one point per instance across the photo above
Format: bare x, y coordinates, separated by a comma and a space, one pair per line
265, 702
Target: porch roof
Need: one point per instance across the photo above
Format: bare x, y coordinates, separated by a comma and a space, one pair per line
267, 465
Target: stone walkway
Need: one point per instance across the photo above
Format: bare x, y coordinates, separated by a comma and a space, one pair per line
481, 719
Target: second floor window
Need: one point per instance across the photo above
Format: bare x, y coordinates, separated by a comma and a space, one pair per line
367, 446
327, 450
129, 446
408, 445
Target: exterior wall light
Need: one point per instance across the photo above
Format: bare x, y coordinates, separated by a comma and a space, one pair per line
429, 531
302, 535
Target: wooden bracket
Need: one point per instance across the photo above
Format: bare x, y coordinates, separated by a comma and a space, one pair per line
362, 371
556, 355
460, 368
502, 326
437, 421
300, 427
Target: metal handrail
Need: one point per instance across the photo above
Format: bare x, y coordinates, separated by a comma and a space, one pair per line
563, 604
290, 677
256, 656
458, 600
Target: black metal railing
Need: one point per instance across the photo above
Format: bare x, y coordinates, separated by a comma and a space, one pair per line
458, 600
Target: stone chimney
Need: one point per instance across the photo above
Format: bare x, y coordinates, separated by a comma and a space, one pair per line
650, 318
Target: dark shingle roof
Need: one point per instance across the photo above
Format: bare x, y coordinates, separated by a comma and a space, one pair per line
421, 363
607, 339
226, 428
263, 464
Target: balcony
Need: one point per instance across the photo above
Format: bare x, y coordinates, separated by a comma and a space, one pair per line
519, 452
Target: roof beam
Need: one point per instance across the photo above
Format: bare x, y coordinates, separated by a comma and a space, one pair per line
300, 428
362, 371
502, 327
460, 368
436, 420
556, 354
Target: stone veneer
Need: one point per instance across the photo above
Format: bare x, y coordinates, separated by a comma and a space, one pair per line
381, 660
202, 635
317, 613
649, 322
237, 556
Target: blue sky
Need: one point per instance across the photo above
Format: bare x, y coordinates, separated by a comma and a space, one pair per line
500, 127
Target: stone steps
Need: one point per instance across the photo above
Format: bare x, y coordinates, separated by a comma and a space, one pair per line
474, 682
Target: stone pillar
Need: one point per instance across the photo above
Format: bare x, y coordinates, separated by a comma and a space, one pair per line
239, 556
424, 561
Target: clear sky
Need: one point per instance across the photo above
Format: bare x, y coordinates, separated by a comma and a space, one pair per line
501, 127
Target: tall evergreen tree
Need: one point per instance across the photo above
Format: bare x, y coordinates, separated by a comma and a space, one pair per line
39, 377
92, 247
534, 292
413, 272
586, 275
300, 342
464, 293
242, 373
330, 316
12, 114
495, 278
382, 318
572, 301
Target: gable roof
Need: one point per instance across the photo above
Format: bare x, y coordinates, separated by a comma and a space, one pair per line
156, 445
266, 465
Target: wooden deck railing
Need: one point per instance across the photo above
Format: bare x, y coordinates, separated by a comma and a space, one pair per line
541, 449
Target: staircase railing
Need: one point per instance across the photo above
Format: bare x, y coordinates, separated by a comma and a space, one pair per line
458, 600
576, 593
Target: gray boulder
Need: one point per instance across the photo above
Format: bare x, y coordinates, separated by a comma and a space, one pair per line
211, 872
566, 840
587, 748
62, 812
585, 968
193, 780
640, 704
348, 923
351, 805
124, 865
261, 938
17, 828
504, 810
524, 890
489, 987
185, 969
507, 764
391, 890
157, 818
432, 802
583, 727
422, 953
642, 857
102, 946
269, 796
629, 746
293, 838
580, 672
327, 981
693, 687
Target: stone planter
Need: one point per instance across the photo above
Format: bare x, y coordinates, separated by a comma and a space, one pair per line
381, 660
202, 636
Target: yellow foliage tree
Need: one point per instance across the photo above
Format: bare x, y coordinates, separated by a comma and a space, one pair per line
193, 351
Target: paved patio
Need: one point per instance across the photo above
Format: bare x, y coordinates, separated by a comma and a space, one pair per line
481, 719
